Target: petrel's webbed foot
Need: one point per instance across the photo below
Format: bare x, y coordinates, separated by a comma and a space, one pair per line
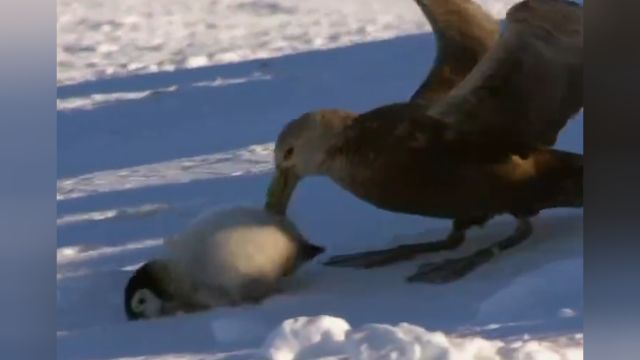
376, 258
370, 259
451, 269
454, 269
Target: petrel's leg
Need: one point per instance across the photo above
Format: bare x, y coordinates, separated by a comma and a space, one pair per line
453, 269
376, 258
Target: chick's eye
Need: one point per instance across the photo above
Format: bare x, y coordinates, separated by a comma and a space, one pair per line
288, 153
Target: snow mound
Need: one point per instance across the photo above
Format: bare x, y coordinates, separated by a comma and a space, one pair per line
332, 337
306, 338
405, 341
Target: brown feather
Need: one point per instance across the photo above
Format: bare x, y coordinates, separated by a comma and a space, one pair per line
396, 158
529, 85
464, 33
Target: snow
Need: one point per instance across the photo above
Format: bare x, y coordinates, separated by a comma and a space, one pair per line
326, 337
141, 154
98, 38
304, 335
254, 159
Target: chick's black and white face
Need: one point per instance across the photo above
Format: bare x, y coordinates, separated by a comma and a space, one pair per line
146, 293
145, 304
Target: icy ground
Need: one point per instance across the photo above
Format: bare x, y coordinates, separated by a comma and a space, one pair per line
98, 38
140, 155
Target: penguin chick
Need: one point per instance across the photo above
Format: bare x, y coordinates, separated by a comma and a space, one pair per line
224, 258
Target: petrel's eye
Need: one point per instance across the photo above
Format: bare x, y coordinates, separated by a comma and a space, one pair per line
288, 153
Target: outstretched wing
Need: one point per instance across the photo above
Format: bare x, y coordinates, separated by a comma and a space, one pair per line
464, 33
528, 86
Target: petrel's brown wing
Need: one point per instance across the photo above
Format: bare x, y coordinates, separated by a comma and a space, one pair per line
528, 86
464, 33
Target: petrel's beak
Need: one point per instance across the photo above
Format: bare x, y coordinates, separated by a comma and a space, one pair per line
282, 185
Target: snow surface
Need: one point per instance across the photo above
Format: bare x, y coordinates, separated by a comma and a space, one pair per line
98, 38
141, 155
